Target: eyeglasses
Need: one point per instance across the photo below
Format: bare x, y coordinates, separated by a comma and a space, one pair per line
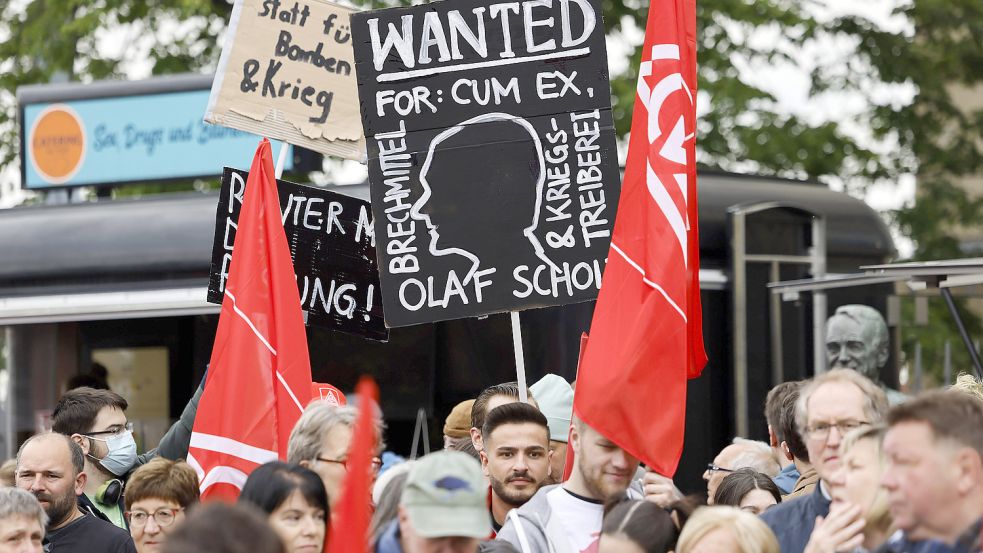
376, 462
714, 468
163, 517
820, 430
114, 430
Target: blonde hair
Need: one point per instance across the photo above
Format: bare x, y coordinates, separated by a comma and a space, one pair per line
968, 384
750, 532
7, 471
878, 514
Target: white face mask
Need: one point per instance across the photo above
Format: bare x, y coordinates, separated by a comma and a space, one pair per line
122, 453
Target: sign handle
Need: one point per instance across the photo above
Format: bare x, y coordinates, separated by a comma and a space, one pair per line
281, 160
520, 361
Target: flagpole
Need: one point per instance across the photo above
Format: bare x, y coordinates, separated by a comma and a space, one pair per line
281, 160
520, 361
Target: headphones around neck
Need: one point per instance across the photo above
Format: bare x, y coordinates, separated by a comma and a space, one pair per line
110, 493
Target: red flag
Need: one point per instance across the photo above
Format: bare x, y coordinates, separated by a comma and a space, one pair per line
260, 368
568, 461
350, 519
646, 336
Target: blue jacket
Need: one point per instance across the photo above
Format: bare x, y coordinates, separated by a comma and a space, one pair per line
389, 539
786, 479
792, 521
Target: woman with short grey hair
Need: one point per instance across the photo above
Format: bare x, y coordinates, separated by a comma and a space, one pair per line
22, 520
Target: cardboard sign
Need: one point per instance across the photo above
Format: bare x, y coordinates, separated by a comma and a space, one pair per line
492, 159
333, 249
287, 72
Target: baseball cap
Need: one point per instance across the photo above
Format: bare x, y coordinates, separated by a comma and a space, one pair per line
445, 496
555, 398
328, 393
458, 423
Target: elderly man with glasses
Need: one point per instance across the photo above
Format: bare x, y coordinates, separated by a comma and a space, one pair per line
741, 453
829, 406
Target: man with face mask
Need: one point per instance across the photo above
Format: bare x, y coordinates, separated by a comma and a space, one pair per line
96, 421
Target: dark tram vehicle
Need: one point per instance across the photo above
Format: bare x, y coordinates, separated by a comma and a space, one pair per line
120, 287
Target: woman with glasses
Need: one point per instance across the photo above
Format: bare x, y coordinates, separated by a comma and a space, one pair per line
157, 497
859, 519
295, 502
748, 490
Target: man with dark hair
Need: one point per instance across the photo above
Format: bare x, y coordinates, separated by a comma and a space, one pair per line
773, 411
794, 448
567, 517
223, 528
516, 456
934, 473
50, 466
95, 419
490, 398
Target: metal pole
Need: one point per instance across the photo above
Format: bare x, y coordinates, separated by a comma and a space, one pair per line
739, 295
10, 405
777, 353
917, 380
819, 362
947, 364
973, 354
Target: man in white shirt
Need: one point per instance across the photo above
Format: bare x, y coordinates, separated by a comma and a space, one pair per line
567, 518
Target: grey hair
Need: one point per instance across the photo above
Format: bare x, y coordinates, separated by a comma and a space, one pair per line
865, 314
757, 456
15, 502
875, 400
319, 418
74, 450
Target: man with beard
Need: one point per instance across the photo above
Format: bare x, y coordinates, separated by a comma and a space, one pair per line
50, 466
516, 456
566, 518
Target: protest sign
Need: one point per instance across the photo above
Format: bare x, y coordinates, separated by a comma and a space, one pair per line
492, 159
333, 249
287, 72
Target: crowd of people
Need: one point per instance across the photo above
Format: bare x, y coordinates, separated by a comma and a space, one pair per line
843, 471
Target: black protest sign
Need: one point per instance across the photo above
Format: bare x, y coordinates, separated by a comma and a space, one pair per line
492, 157
333, 249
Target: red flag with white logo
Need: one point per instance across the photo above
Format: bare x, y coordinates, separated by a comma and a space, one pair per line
646, 336
353, 511
260, 369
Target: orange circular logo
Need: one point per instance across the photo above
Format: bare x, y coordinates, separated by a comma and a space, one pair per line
56, 144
